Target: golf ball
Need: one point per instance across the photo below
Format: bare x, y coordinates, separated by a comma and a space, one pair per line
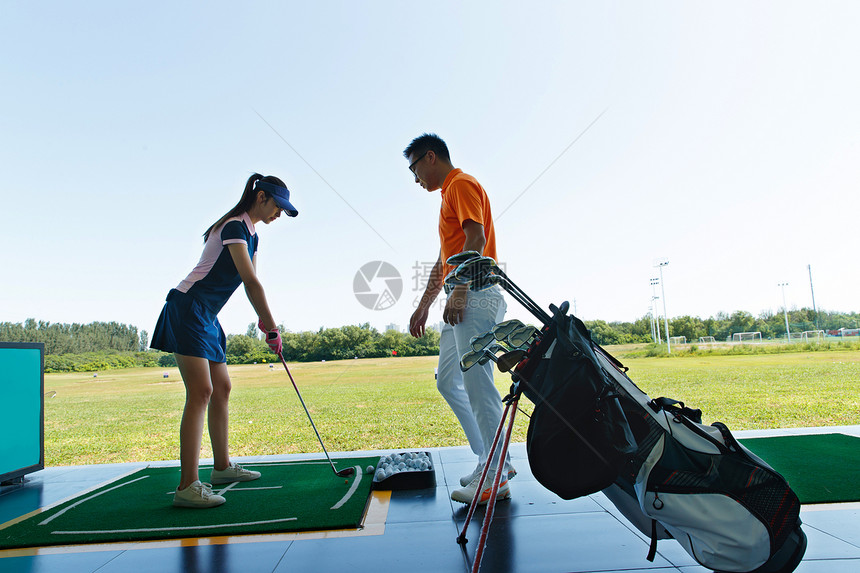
370, 469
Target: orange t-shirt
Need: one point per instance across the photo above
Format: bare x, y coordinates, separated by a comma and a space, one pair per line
463, 199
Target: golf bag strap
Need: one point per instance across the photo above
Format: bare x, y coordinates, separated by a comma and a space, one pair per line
677, 408
652, 550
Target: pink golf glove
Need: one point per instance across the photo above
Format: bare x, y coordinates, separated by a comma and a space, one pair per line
273, 338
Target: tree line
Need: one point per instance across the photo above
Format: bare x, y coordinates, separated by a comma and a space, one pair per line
105, 345
76, 338
342, 343
722, 326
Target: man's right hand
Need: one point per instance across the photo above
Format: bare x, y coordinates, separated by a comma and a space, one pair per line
418, 321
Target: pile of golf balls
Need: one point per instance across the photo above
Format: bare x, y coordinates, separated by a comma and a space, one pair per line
405, 462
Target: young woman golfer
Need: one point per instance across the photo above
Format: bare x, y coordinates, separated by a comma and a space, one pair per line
189, 327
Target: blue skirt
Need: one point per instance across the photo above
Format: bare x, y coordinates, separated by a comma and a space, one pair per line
187, 327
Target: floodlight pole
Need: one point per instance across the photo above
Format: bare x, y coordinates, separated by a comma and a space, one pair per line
662, 264
655, 321
651, 321
812, 290
785, 313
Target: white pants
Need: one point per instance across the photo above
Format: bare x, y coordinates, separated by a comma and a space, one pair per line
472, 395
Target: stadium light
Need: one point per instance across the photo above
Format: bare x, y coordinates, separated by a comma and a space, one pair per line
785, 313
660, 264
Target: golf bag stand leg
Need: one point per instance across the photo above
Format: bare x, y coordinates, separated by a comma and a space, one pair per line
511, 406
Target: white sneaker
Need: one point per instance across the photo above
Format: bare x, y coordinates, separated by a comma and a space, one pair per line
468, 493
197, 495
466, 479
233, 472
476, 473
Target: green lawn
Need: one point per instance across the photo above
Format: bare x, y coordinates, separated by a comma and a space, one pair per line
133, 415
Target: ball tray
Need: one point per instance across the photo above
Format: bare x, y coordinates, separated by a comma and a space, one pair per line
405, 470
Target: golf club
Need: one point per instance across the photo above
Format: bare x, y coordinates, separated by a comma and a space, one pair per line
481, 356
490, 352
516, 293
471, 358
522, 336
474, 268
510, 359
452, 281
503, 329
342, 473
460, 258
481, 341
483, 272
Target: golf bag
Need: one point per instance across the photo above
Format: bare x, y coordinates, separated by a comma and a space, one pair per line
578, 422
593, 429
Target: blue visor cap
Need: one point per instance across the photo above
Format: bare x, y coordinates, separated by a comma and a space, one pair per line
281, 195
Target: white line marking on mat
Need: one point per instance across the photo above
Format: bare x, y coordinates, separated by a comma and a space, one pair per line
352, 489
184, 528
224, 490
77, 503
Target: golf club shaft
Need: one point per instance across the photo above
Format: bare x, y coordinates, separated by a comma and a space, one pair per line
532, 305
299, 394
524, 300
499, 278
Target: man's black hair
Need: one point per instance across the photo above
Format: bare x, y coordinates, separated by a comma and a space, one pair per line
427, 142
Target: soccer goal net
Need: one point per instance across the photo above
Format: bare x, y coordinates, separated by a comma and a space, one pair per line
754, 337
706, 339
812, 335
678, 340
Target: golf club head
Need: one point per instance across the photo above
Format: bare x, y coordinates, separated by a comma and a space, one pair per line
481, 341
490, 353
460, 258
452, 281
475, 268
522, 336
486, 356
471, 358
346, 472
503, 329
494, 348
509, 360
486, 282
482, 356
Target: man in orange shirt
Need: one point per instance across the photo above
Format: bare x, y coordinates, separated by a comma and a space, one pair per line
465, 224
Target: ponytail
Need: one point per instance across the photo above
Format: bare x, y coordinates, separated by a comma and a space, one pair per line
242, 206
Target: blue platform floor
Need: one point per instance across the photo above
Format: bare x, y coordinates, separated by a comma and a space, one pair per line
414, 531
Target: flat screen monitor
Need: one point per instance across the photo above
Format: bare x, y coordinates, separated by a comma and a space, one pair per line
22, 409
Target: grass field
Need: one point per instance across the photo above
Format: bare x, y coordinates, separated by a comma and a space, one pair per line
133, 415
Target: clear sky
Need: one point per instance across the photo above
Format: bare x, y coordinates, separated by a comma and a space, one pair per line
720, 136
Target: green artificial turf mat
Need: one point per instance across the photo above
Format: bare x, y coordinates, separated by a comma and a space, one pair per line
289, 497
820, 468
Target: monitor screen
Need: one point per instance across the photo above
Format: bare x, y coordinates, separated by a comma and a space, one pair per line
21, 408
